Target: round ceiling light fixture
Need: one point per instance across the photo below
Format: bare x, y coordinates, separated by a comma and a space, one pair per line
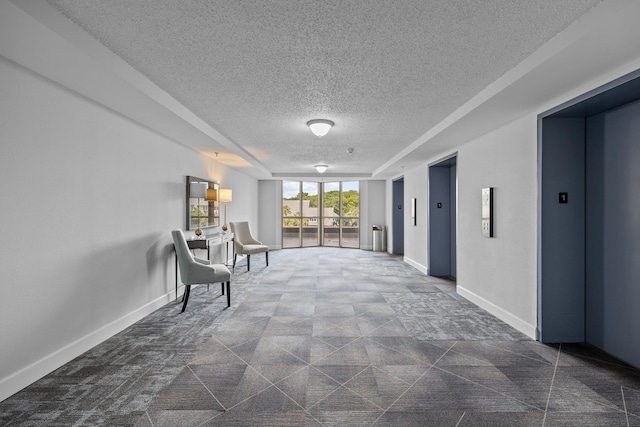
321, 168
320, 127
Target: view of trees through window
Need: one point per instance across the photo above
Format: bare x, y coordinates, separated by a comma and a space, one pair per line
316, 214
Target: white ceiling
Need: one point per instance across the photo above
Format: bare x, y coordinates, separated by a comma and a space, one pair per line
388, 73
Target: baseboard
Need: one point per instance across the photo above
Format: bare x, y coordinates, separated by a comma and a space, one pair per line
26, 376
507, 317
416, 265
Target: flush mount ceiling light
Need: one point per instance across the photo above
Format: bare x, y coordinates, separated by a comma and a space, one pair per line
320, 127
321, 168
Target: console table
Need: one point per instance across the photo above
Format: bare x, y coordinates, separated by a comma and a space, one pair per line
207, 243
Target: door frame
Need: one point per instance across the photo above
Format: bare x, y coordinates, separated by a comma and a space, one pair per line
558, 299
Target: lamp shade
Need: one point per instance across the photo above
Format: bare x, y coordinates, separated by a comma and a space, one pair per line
225, 194
212, 194
320, 127
198, 190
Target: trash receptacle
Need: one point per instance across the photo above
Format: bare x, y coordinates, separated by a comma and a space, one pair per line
379, 241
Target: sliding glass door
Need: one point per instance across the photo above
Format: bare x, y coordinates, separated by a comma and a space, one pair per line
310, 214
331, 219
300, 214
350, 214
306, 205
341, 222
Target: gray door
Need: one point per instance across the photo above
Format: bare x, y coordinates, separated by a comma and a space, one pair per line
398, 216
613, 232
561, 297
442, 219
589, 229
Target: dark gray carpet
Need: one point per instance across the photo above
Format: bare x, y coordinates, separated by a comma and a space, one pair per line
330, 337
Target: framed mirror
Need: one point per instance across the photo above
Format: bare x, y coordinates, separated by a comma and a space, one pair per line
203, 208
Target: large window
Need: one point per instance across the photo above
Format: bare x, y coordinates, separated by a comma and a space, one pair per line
307, 205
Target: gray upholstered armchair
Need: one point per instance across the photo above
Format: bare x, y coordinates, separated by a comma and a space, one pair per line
245, 244
196, 271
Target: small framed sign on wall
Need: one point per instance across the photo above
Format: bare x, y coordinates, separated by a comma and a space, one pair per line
414, 221
487, 212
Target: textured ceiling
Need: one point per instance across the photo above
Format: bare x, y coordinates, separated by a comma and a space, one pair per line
385, 72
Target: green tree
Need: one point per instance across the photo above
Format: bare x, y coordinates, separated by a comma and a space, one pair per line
332, 200
291, 222
351, 203
313, 199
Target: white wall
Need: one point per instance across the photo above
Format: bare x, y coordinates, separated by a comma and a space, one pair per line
88, 200
415, 236
270, 202
372, 210
499, 273
244, 206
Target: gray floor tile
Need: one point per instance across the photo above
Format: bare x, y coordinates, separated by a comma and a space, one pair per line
324, 337
507, 419
421, 419
378, 386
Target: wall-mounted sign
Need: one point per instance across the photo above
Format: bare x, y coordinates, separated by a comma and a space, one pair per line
563, 198
414, 220
487, 212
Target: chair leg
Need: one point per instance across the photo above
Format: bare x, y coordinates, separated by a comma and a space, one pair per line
187, 289
222, 285
266, 254
228, 293
248, 262
235, 256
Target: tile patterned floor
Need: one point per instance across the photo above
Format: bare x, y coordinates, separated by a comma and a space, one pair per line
330, 337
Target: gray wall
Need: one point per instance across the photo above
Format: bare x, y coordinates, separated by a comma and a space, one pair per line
613, 232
